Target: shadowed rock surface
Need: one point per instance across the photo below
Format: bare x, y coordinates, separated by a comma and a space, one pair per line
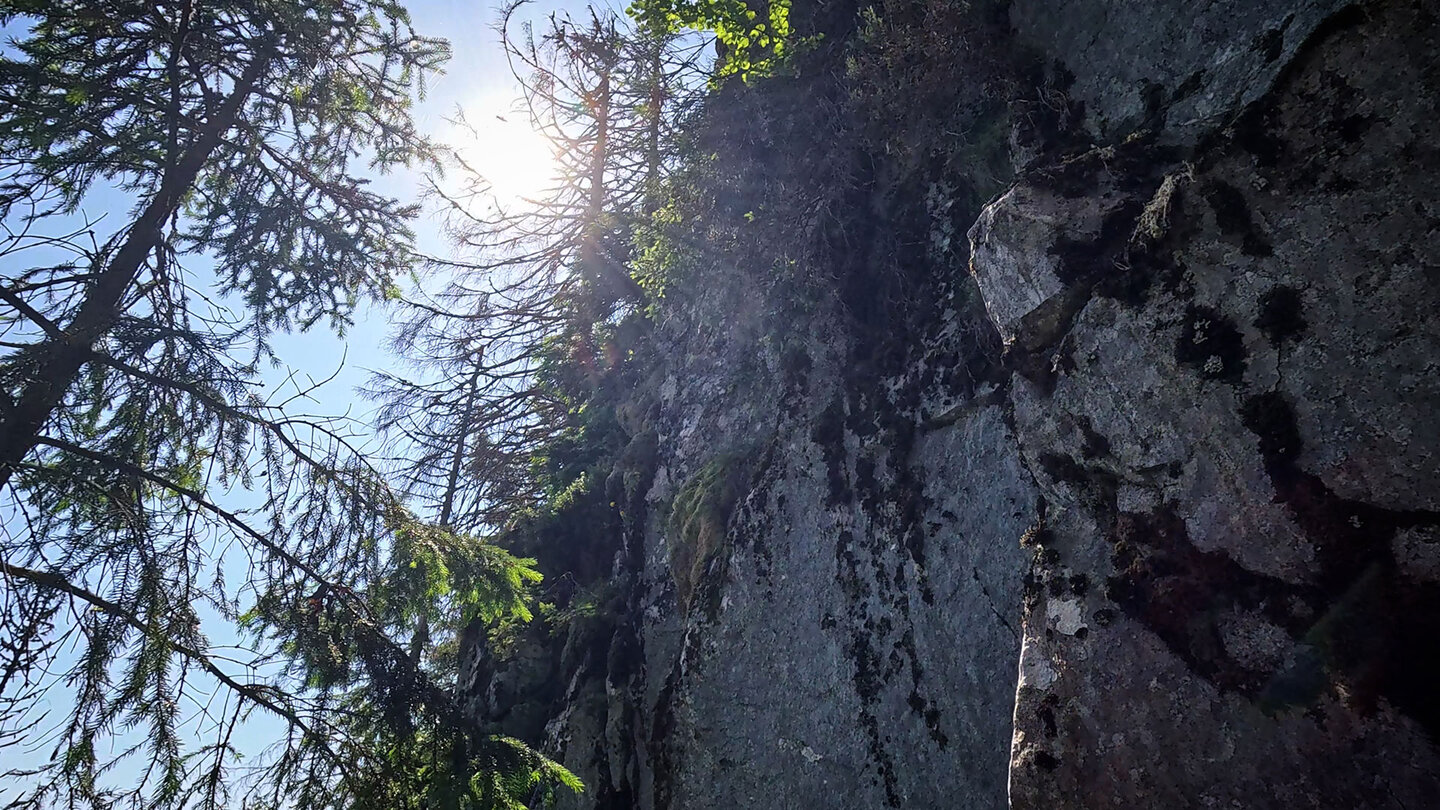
1132, 503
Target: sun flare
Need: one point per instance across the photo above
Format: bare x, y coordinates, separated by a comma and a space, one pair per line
517, 162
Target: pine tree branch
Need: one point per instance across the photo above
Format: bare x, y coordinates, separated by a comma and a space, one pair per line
56, 582
199, 499
50, 328
365, 622
63, 358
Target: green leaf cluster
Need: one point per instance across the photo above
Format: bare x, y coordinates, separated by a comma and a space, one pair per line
752, 42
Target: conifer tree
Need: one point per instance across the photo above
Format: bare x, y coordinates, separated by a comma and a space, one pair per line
142, 465
548, 281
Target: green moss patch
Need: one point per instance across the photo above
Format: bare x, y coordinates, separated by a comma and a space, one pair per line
699, 514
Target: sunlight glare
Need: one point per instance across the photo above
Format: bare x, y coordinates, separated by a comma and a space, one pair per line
518, 162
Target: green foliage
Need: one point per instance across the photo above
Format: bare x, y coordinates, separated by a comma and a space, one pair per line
140, 461
451, 576
574, 530
493, 410
592, 610
751, 209
95, 94
589, 438
752, 42
435, 770
661, 257
413, 749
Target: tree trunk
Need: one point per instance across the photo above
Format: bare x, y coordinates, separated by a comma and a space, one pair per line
652, 130
592, 258
58, 362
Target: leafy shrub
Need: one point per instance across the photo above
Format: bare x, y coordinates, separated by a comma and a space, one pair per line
747, 42
931, 77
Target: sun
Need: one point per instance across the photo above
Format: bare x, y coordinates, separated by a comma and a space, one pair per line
517, 162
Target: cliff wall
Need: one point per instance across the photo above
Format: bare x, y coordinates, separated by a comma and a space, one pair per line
1116, 492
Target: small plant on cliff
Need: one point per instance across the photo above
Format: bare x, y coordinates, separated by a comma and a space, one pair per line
695, 531
929, 78
595, 607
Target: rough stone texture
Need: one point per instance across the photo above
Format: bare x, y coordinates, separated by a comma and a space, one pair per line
837, 672
854, 640
1015, 261
1417, 554
857, 647
1176, 545
1229, 441
1176, 65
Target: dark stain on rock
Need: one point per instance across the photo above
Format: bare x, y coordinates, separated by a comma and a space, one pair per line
868, 673
1086, 260
663, 749
1269, 417
1270, 44
753, 508
1412, 683
1097, 486
1339, 184
795, 366
1096, 445
1031, 587
1232, 214
1153, 96
1377, 633
829, 434
1254, 132
1182, 593
1046, 713
1358, 624
1281, 314
1210, 344
1192, 85
1351, 128
921, 706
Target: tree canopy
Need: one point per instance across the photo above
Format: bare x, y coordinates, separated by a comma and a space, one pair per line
505, 351
752, 38
184, 547
143, 464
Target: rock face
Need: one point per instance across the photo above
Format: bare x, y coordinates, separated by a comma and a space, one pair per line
1183, 68
1144, 514
1234, 430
